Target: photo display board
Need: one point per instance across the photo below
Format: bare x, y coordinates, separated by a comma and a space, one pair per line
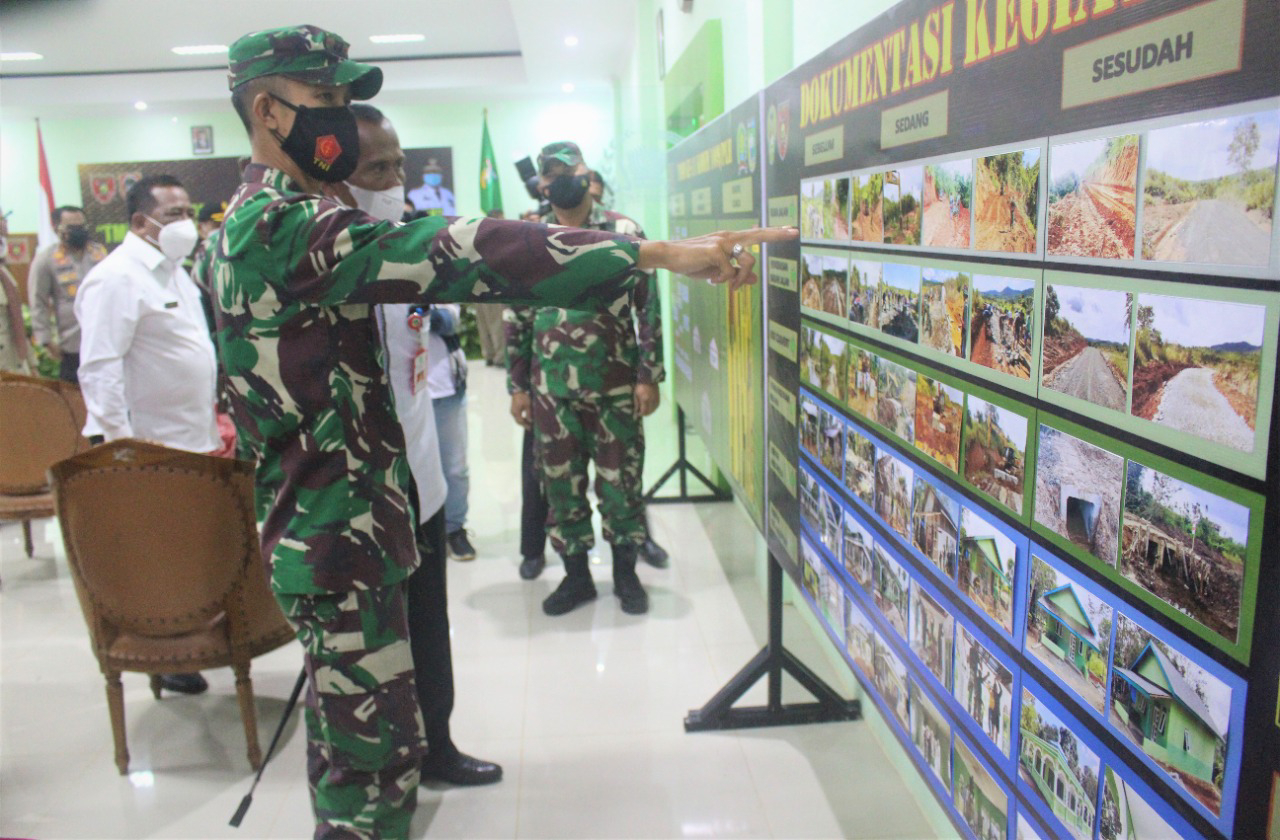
713, 183
210, 180
1020, 386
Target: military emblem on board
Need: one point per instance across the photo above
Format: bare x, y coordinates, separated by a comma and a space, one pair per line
103, 188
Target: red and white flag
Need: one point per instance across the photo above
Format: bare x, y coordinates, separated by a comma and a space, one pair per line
45, 234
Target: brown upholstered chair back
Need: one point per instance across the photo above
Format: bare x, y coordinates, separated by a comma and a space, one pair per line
157, 538
38, 427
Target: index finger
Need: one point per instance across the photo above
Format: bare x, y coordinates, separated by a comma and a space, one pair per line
759, 235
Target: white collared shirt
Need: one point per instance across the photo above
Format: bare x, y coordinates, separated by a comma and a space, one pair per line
147, 363
414, 408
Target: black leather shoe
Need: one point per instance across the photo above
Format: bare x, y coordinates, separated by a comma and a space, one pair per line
184, 683
654, 554
532, 566
460, 769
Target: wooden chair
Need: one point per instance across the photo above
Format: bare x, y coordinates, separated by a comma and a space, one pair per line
163, 549
39, 426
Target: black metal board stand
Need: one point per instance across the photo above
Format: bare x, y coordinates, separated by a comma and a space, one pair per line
771, 661
684, 468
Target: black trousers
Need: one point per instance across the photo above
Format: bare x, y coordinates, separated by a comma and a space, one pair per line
533, 502
69, 368
429, 633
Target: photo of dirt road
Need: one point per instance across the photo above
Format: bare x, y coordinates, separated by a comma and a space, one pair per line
868, 212
902, 205
1093, 198
1078, 488
939, 413
1007, 202
1196, 365
995, 451
895, 306
948, 197
826, 277
824, 209
944, 310
1186, 546
864, 279
1209, 191
1085, 353
1001, 323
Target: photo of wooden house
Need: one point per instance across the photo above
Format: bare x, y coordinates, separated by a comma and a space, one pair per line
932, 630
857, 552
859, 638
935, 525
890, 677
892, 583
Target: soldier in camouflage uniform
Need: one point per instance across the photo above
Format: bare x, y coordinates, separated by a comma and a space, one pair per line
589, 384
295, 276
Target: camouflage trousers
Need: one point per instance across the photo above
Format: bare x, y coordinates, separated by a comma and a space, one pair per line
365, 739
572, 433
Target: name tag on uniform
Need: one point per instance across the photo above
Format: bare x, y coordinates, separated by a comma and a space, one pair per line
418, 380
173, 304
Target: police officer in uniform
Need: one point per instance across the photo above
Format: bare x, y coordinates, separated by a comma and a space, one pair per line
55, 277
295, 276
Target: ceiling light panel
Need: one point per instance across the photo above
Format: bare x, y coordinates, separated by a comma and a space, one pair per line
406, 38
201, 49
20, 56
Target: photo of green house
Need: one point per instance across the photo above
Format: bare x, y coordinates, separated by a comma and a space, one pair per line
1127, 816
1069, 631
1172, 710
985, 569
1046, 768
982, 803
1175, 727
1058, 766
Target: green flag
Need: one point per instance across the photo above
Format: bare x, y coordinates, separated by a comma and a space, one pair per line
490, 193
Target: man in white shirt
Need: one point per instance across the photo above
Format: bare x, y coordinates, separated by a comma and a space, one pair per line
147, 364
377, 187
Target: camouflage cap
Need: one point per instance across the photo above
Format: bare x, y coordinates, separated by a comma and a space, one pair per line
563, 151
306, 53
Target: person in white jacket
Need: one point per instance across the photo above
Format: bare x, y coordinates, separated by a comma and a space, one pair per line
377, 187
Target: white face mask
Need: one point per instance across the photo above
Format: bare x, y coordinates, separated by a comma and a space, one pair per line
386, 205
177, 239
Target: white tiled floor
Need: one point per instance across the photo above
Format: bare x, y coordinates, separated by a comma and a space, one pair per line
583, 711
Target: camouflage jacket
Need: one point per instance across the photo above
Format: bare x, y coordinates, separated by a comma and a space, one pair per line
572, 354
294, 279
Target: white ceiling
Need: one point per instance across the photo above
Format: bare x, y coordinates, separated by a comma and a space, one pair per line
99, 41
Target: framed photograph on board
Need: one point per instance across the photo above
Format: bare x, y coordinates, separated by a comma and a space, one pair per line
201, 139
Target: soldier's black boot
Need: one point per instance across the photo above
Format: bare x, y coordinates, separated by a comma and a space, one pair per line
576, 589
626, 585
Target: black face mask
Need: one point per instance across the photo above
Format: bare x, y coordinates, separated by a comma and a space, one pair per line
324, 142
567, 191
77, 236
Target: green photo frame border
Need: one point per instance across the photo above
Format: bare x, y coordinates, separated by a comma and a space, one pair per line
1252, 464
1256, 504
